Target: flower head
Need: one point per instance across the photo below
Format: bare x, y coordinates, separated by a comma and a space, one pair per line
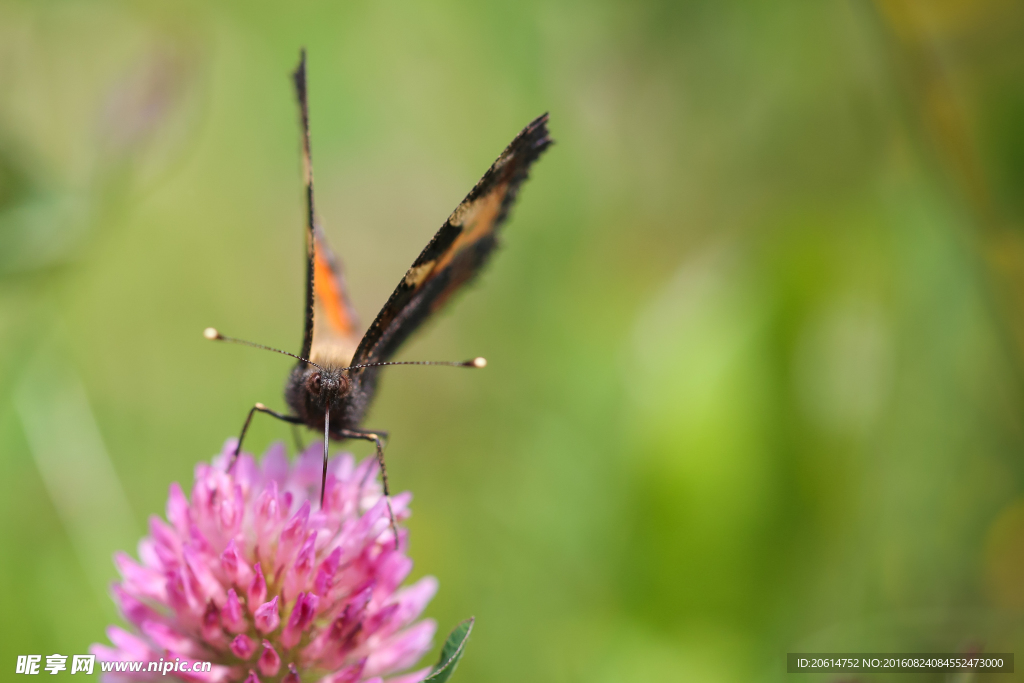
250, 574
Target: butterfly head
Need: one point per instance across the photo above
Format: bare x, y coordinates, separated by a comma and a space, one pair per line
325, 386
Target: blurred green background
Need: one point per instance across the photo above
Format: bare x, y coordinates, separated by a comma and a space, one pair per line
756, 334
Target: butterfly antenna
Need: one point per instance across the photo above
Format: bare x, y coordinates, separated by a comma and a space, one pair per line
213, 335
478, 362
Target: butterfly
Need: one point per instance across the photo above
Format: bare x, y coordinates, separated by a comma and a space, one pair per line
335, 379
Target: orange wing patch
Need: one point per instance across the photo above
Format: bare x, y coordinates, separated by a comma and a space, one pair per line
476, 223
334, 320
329, 296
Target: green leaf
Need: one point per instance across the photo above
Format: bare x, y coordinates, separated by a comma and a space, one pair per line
451, 653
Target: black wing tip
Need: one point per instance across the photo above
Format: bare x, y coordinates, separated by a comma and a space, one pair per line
532, 140
539, 122
299, 75
536, 132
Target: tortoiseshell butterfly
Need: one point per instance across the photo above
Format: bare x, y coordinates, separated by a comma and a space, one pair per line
332, 384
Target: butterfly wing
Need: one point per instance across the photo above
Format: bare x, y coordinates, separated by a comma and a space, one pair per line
457, 252
330, 335
334, 320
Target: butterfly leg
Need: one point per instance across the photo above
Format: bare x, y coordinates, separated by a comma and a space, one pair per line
259, 407
378, 440
297, 438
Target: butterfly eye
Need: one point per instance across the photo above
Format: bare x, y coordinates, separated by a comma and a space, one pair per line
314, 382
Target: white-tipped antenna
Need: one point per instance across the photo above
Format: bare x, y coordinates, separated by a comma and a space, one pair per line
212, 334
478, 362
